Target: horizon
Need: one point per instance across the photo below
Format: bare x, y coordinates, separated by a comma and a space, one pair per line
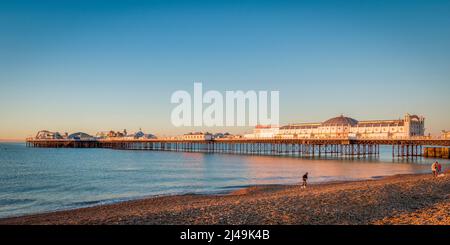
89, 66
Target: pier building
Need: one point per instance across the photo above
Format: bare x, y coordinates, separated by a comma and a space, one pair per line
197, 136
263, 132
346, 127
47, 135
80, 136
111, 134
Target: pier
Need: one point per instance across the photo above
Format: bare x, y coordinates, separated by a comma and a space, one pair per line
401, 148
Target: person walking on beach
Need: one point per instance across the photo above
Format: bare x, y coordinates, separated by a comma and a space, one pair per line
439, 168
305, 178
434, 167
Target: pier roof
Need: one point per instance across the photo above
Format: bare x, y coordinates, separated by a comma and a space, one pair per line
341, 120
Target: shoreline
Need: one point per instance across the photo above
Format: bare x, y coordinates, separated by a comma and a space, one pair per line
396, 199
227, 190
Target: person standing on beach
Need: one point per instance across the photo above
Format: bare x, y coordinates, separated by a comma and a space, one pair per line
434, 168
305, 178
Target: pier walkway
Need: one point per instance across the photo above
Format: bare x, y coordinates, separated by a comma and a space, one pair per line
298, 147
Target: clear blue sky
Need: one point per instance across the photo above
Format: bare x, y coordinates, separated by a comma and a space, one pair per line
100, 65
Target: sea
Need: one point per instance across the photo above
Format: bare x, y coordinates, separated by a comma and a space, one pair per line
38, 180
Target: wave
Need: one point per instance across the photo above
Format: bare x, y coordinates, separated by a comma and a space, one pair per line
11, 201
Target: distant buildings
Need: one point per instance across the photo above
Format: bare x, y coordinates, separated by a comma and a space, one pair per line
445, 134
346, 127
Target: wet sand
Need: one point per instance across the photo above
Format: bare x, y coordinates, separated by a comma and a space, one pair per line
400, 199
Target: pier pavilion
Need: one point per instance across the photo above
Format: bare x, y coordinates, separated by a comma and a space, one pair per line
346, 127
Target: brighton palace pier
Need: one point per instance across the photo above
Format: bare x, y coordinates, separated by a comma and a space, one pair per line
339, 136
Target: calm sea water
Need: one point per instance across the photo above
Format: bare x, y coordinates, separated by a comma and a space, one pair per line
34, 180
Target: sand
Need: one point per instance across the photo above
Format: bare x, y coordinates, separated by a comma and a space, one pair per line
400, 199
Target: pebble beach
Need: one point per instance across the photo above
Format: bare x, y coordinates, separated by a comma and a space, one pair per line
402, 199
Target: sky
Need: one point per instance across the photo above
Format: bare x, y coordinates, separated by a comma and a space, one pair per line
91, 66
